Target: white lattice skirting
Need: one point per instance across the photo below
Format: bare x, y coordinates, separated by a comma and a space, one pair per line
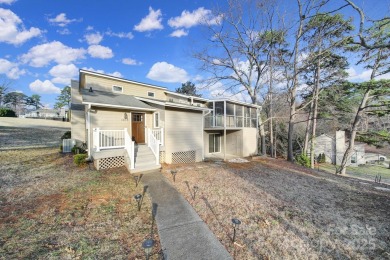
184, 157
110, 162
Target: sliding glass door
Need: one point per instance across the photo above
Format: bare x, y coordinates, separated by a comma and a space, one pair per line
214, 143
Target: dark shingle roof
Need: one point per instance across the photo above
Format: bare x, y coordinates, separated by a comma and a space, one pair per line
108, 98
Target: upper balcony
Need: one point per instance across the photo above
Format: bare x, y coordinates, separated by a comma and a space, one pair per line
227, 114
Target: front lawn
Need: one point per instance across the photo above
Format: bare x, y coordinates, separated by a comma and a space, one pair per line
50, 209
287, 212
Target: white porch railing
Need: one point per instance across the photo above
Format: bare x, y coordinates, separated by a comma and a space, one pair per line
154, 145
159, 135
108, 139
129, 147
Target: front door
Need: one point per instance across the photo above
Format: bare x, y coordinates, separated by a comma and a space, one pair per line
138, 128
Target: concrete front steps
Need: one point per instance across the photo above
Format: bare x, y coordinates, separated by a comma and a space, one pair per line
144, 159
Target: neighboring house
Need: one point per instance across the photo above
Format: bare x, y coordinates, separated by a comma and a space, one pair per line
139, 125
47, 113
334, 149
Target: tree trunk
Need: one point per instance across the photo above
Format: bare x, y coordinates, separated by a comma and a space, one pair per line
306, 143
262, 138
315, 112
351, 142
271, 131
358, 116
293, 91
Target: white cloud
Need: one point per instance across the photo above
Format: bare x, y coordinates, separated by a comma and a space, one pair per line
93, 38
179, 33
8, 2
89, 28
43, 54
61, 20
63, 73
44, 87
130, 61
12, 28
189, 19
364, 75
165, 72
99, 51
64, 31
150, 22
128, 35
10, 69
115, 73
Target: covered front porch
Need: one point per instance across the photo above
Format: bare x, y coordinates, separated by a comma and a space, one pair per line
117, 125
115, 148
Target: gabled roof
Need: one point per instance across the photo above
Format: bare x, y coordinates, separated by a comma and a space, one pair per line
171, 104
82, 71
109, 99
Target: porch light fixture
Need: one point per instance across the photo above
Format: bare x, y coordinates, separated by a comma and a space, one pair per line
147, 245
138, 198
173, 172
236, 222
196, 188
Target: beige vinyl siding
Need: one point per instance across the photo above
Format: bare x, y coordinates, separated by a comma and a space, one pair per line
75, 94
105, 84
183, 132
106, 119
78, 126
249, 141
77, 116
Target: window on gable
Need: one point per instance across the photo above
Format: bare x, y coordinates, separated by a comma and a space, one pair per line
150, 94
156, 120
117, 89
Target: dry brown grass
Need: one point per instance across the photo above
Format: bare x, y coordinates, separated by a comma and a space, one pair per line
288, 212
51, 209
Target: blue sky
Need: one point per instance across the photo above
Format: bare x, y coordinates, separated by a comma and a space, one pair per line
44, 43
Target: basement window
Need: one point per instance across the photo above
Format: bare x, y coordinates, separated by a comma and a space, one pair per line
118, 89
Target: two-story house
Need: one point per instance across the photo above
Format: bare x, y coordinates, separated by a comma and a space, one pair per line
139, 125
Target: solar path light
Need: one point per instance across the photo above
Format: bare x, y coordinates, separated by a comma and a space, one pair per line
147, 245
196, 188
236, 222
173, 172
138, 198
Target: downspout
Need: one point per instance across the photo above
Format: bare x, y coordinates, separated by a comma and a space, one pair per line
89, 130
224, 130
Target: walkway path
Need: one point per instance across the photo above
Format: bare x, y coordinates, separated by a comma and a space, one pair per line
183, 234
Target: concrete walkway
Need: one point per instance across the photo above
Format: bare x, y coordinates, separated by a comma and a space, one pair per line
183, 234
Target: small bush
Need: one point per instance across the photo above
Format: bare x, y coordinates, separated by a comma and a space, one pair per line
303, 160
79, 159
6, 112
66, 135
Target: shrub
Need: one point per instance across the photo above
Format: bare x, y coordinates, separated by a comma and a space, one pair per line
66, 135
79, 159
303, 160
6, 112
